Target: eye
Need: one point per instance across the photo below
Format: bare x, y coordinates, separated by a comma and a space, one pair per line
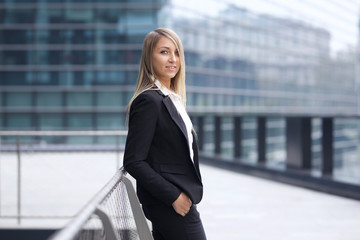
163, 51
177, 53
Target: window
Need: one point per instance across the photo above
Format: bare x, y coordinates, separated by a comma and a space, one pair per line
18, 99
51, 122
77, 99
80, 121
19, 122
109, 99
47, 99
110, 121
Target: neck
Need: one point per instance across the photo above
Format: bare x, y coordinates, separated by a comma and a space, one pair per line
166, 83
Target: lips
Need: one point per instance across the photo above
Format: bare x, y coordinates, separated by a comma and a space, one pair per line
171, 67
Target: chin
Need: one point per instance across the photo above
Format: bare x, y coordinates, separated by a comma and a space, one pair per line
171, 76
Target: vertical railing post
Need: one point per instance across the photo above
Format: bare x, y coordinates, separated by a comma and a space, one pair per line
327, 146
217, 135
139, 217
237, 137
109, 229
18, 179
261, 139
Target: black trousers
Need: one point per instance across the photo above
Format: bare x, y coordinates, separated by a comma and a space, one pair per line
168, 225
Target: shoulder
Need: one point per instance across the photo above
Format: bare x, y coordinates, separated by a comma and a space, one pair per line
149, 99
149, 95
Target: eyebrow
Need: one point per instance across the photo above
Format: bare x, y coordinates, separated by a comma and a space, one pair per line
166, 48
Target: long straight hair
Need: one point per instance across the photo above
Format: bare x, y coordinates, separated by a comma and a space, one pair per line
146, 71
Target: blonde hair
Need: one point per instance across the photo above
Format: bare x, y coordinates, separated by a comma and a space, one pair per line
146, 71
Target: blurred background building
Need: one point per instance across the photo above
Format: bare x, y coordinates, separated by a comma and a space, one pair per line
72, 65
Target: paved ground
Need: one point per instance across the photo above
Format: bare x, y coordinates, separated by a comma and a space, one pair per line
234, 207
237, 206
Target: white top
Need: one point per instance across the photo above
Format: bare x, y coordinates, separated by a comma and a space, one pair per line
176, 99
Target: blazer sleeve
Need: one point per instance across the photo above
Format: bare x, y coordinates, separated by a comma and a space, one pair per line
144, 112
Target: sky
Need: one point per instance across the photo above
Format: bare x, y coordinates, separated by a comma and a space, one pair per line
339, 17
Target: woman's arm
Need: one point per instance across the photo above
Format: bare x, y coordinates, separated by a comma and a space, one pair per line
142, 123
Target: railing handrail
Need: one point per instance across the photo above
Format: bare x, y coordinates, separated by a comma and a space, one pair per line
65, 133
266, 111
72, 228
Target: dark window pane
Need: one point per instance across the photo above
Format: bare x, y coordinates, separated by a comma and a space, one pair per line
19, 16
14, 58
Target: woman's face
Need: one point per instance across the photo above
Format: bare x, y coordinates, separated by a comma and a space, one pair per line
165, 60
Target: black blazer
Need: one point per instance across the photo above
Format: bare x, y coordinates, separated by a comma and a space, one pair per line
157, 153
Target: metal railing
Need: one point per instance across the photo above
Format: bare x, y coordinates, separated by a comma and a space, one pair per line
110, 209
114, 213
19, 147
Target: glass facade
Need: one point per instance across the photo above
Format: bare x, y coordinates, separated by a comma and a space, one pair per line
72, 65
242, 60
263, 63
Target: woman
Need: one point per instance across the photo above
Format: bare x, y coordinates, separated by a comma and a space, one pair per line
161, 151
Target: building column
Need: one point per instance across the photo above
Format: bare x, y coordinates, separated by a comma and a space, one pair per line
298, 142
327, 146
261, 139
237, 137
217, 133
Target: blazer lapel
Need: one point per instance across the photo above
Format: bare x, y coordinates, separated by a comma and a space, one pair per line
180, 123
175, 116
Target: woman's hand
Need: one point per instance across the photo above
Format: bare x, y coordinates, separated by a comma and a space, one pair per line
182, 204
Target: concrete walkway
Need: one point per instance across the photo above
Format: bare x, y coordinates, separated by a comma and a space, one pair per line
237, 206
234, 206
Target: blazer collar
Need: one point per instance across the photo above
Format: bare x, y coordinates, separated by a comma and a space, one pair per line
165, 91
175, 115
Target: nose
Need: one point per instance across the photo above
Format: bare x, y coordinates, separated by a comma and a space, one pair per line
172, 58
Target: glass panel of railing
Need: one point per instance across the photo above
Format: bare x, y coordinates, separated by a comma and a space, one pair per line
46, 179
227, 137
209, 135
249, 131
346, 150
275, 143
316, 147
